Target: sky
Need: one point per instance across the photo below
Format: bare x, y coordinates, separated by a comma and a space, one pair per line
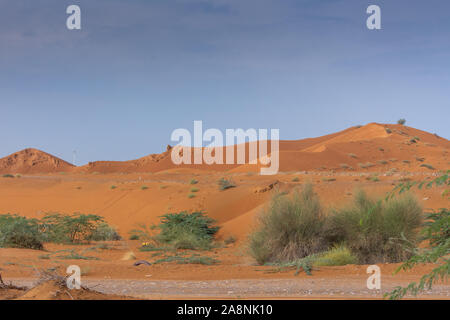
139, 69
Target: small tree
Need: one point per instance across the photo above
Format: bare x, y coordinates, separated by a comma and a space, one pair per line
70, 228
401, 121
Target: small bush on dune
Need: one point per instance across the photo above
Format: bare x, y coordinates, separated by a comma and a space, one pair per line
73, 228
187, 231
225, 184
104, 232
19, 232
289, 229
372, 229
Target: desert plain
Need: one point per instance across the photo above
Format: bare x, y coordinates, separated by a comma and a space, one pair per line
374, 157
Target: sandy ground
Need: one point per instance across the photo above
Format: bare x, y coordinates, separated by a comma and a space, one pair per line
114, 191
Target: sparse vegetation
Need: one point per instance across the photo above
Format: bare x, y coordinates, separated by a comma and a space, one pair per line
191, 195
144, 188
8, 175
193, 181
339, 255
352, 155
225, 184
428, 166
113, 187
229, 240
382, 162
195, 190
366, 165
401, 121
295, 179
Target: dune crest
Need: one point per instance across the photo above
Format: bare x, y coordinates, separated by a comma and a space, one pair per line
33, 161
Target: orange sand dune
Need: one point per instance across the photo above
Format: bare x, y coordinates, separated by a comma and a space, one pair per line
392, 146
32, 161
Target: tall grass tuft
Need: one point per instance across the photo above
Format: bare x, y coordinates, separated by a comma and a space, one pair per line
372, 229
290, 228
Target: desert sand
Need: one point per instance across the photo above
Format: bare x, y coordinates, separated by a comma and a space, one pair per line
337, 165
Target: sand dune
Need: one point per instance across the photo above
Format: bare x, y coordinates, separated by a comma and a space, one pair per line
395, 146
33, 161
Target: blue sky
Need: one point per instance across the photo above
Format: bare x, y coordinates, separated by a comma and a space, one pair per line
139, 69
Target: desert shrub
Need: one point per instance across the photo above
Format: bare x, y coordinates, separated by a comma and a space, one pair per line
428, 166
144, 188
339, 255
295, 179
230, 240
372, 229
73, 228
193, 181
104, 232
352, 155
388, 131
187, 230
8, 175
19, 232
113, 187
401, 121
195, 190
289, 229
191, 195
225, 184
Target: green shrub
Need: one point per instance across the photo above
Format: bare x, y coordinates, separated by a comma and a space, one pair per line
19, 232
295, 179
401, 121
230, 240
289, 229
225, 184
336, 256
187, 231
195, 190
371, 229
73, 228
113, 187
8, 175
193, 181
191, 195
144, 188
428, 166
104, 232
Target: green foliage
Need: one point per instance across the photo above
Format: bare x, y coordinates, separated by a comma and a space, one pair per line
371, 229
73, 228
113, 187
191, 195
339, 255
193, 259
428, 166
193, 181
8, 175
104, 232
295, 179
230, 240
19, 232
289, 229
225, 184
187, 230
436, 232
144, 188
195, 190
401, 121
